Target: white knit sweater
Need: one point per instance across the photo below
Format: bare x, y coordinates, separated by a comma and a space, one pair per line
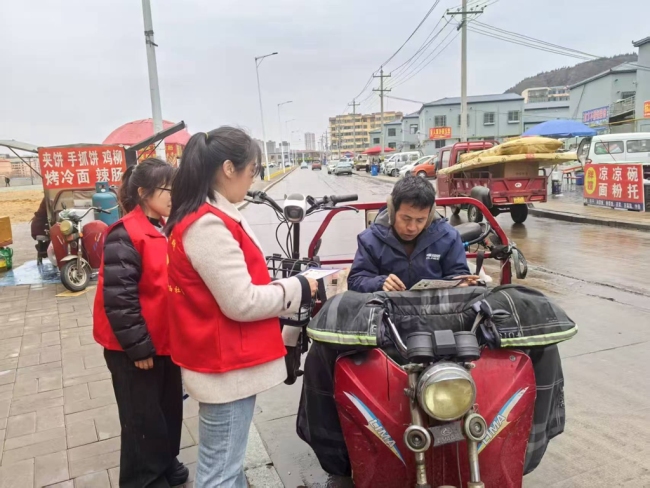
218, 259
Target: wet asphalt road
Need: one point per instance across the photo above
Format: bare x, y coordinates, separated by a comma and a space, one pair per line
599, 275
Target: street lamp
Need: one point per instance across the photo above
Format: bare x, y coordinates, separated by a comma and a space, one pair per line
258, 62
287, 132
292, 133
280, 124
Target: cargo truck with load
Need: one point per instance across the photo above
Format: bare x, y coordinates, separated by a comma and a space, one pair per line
506, 177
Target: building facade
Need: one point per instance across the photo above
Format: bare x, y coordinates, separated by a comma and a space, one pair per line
342, 130
536, 113
410, 131
492, 117
606, 101
642, 96
393, 134
310, 141
546, 94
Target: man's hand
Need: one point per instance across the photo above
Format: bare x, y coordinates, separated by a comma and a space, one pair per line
144, 363
468, 280
313, 286
393, 283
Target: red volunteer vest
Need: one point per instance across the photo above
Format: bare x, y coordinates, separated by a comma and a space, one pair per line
202, 338
152, 288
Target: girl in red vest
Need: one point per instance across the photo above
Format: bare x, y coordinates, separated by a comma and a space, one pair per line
130, 320
225, 332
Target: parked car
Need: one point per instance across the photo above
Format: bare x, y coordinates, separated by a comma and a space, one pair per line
406, 169
331, 165
288, 164
614, 148
304, 165
395, 162
425, 167
343, 167
316, 165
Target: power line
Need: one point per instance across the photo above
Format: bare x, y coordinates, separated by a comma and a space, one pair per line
425, 62
423, 47
521, 39
435, 4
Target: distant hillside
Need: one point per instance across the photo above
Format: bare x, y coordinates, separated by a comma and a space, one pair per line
570, 75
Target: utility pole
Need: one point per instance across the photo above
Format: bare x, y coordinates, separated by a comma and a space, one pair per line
381, 97
258, 61
463, 67
327, 155
154, 89
354, 106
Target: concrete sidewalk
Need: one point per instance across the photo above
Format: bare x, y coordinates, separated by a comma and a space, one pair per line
575, 211
59, 425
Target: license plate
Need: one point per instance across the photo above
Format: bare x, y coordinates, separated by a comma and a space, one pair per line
520, 200
447, 433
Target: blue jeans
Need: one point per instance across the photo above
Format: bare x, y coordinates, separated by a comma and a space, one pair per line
223, 436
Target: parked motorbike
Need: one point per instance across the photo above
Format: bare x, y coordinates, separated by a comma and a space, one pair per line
78, 249
441, 396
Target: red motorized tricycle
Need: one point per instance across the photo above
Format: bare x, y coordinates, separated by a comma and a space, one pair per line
457, 418
80, 201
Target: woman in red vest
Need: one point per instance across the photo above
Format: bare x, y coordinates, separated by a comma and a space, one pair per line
131, 321
225, 332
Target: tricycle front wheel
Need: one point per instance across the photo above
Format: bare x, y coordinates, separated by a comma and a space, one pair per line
75, 275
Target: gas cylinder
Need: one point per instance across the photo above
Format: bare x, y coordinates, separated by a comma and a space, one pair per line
105, 199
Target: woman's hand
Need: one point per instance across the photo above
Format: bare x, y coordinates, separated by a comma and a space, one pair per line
144, 363
313, 286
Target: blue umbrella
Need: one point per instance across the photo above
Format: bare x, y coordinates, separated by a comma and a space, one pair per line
560, 128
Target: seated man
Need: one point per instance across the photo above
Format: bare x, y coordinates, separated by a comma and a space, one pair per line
407, 242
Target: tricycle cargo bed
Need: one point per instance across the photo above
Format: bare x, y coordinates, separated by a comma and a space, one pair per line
503, 190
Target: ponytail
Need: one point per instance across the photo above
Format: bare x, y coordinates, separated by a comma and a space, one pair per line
149, 175
204, 155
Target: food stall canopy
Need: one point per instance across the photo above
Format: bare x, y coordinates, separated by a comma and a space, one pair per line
560, 128
19, 146
375, 151
136, 131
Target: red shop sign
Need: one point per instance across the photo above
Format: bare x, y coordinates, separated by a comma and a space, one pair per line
81, 166
614, 185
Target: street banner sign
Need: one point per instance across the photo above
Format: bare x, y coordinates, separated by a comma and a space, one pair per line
440, 133
77, 167
614, 185
596, 116
646, 110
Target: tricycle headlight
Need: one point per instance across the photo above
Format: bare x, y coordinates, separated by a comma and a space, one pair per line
66, 227
446, 391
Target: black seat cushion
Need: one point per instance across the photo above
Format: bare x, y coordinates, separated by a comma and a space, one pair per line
469, 231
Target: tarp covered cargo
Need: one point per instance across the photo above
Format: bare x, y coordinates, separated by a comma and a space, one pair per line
541, 159
521, 145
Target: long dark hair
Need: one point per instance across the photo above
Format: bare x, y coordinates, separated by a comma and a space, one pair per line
149, 175
205, 153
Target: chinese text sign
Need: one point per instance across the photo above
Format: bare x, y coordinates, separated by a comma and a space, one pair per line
614, 185
595, 116
646, 110
81, 167
440, 133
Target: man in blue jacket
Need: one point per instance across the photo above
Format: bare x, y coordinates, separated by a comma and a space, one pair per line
407, 242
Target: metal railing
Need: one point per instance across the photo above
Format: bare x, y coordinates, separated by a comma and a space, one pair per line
622, 106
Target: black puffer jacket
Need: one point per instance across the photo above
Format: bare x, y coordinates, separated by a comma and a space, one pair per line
122, 271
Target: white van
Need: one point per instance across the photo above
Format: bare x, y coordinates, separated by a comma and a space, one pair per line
614, 148
395, 162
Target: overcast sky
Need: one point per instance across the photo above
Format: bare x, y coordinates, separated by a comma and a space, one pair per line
74, 70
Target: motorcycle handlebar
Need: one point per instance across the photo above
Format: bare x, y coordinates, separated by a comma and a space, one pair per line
344, 198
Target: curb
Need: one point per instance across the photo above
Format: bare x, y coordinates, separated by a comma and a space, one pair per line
580, 219
267, 187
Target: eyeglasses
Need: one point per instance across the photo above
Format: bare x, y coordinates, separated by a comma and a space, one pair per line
164, 189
